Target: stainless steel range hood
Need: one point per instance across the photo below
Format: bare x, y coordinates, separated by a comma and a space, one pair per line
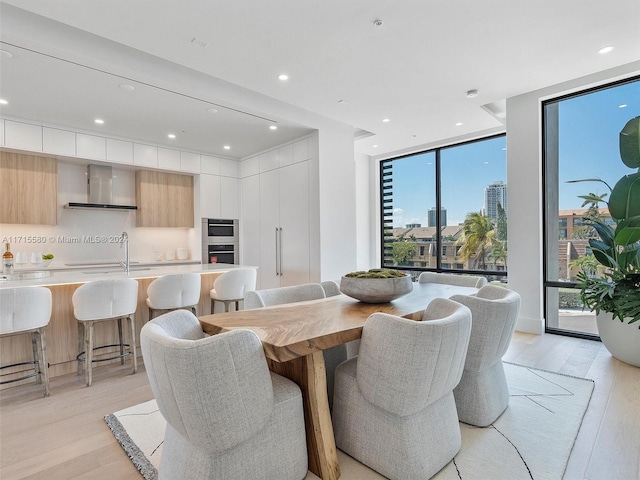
99, 190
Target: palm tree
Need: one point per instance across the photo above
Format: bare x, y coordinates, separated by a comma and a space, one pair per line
477, 238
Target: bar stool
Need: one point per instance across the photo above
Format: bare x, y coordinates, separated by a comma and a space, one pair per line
173, 292
104, 301
231, 286
28, 310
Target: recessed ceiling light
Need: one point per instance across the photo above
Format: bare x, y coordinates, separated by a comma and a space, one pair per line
343, 102
472, 93
3, 101
283, 77
273, 127
604, 50
624, 105
212, 110
386, 120
378, 23
375, 146
99, 121
171, 135
458, 124
227, 147
5, 54
127, 87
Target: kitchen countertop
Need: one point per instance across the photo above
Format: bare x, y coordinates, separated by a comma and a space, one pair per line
83, 274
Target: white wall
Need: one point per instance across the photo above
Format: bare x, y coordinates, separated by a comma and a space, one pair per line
365, 214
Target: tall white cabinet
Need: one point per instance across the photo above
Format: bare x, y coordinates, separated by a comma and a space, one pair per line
275, 215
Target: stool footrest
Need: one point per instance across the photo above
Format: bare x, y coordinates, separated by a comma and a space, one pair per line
80, 357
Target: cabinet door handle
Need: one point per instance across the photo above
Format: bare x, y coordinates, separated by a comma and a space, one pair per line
281, 273
277, 252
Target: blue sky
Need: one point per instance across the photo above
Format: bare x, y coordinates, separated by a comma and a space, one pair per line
589, 129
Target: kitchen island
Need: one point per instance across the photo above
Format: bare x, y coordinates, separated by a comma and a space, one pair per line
62, 331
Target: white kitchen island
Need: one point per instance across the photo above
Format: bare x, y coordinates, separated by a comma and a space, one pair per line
62, 331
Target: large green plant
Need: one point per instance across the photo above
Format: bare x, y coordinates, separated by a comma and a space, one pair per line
617, 290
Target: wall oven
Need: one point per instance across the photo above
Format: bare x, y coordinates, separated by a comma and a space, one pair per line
220, 241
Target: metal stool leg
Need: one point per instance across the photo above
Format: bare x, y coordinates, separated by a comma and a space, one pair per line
133, 348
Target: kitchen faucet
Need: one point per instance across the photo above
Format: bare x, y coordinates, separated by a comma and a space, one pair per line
125, 243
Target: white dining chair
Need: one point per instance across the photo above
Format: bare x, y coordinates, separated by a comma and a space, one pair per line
230, 287
100, 301
23, 311
172, 292
476, 281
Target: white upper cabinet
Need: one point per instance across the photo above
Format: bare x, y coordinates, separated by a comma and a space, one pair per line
23, 136
250, 166
210, 196
58, 142
285, 155
119, 151
269, 161
91, 146
229, 197
301, 150
145, 155
168, 159
190, 162
210, 165
229, 168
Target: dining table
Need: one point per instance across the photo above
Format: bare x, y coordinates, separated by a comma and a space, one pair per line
294, 335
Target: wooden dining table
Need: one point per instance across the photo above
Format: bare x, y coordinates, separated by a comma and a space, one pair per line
294, 335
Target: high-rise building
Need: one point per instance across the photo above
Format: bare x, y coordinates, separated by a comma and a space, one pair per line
432, 217
495, 194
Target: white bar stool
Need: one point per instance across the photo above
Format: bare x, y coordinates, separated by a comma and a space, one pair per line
28, 310
103, 301
173, 292
231, 286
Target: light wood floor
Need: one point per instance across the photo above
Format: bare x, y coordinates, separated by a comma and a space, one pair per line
65, 436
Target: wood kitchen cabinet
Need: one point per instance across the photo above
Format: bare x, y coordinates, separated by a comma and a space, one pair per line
29, 189
164, 199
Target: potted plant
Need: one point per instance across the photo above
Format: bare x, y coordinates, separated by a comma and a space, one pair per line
614, 294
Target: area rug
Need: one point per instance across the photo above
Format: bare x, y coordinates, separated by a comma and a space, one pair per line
532, 439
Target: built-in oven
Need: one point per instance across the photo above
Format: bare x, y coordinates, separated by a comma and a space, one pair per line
220, 241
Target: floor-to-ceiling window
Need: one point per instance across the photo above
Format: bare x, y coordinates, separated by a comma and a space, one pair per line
446, 209
581, 138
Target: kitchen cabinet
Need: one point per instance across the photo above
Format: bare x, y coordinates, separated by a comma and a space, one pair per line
23, 136
29, 189
164, 199
145, 155
119, 151
91, 146
283, 203
58, 142
219, 196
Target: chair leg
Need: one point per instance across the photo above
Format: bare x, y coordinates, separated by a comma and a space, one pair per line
213, 303
36, 357
152, 313
121, 341
88, 353
133, 348
80, 346
44, 361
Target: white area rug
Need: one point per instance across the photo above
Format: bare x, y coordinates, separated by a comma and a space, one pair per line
532, 439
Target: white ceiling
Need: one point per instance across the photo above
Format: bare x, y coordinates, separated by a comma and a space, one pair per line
413, 70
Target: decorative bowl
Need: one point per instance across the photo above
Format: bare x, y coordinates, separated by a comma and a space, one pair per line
376, 290
45, 263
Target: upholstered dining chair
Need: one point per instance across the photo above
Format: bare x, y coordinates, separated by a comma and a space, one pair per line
231, 286
101, 301
173, 291
393, 406
228, 416
23, 311
331, 288
482, 394
453, 279
278, 296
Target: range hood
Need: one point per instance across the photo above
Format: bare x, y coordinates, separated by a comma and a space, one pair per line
99, 189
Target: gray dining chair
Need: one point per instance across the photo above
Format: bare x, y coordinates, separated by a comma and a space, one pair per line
393, 407
482, 394
228, 417
453, 279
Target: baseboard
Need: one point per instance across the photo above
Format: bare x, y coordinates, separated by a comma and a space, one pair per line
530, 325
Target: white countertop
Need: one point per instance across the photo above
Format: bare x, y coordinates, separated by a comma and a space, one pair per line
86, 274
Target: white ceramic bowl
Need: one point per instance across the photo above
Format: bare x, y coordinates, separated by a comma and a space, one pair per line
376, 290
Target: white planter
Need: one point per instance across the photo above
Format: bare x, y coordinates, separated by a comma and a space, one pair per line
621, 339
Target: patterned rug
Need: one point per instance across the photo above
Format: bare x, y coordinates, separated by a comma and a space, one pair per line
532, 439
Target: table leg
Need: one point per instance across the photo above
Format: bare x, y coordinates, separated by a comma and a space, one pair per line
309, 373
